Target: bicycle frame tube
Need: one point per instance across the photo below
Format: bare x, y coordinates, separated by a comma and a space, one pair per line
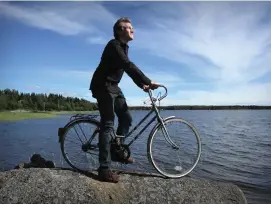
135, 138
157, 116
138, 125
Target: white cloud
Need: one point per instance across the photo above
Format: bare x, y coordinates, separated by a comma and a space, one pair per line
69, 18
228, 44
44, 19
225, 95
70, 74
97, 40
244, 95
32, 87
72, 83
224, 40
248, 94
170, 79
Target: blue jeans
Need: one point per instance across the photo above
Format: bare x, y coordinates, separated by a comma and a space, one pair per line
109, 104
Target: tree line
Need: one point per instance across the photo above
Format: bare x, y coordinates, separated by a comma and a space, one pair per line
13, 100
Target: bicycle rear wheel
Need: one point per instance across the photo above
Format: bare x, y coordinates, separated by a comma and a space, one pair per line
79, 144
178, 155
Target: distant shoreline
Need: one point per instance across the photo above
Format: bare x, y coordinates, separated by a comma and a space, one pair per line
206, 107
12, 100
15, 115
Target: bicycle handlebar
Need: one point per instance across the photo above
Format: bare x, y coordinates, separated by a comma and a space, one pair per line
150, 93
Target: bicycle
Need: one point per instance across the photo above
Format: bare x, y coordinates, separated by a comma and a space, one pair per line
89, 145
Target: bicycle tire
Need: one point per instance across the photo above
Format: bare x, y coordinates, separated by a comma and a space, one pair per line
64, 135
152, 136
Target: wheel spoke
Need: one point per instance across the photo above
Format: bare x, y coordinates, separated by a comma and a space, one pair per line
78, 135
82, 132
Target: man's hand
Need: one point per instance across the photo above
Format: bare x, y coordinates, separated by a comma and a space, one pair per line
152, 86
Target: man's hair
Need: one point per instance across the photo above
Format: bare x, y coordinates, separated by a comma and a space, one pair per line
117, 25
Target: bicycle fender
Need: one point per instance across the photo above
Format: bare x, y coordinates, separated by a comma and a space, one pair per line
61, 130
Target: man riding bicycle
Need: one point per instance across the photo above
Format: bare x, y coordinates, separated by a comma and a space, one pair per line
110, 99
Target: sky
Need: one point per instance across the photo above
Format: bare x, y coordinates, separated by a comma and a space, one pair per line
215, 53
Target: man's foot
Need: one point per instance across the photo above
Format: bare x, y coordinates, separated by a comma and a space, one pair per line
106, 174
130, 160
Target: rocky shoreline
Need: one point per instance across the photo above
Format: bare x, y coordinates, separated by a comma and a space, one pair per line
52, 185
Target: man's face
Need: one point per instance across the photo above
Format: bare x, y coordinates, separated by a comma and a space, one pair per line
127, 32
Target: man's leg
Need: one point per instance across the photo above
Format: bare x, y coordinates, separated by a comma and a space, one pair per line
106, 109
124, 115
124, 118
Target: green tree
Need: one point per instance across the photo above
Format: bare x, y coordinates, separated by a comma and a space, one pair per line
3, 102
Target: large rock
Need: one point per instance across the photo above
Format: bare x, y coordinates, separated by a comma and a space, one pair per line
43, 185
36, 161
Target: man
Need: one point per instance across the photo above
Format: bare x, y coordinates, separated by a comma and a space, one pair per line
110, 99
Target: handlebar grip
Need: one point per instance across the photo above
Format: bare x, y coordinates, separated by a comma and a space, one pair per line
160, 85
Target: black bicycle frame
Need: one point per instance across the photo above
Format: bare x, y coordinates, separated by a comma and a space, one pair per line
138, 125
157, 116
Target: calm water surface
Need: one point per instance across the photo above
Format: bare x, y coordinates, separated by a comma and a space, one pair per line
236, 146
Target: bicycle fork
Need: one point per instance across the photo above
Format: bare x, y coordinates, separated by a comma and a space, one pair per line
164, 129
166, 135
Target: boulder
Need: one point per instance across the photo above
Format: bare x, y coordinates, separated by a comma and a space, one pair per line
36, 161
45, 185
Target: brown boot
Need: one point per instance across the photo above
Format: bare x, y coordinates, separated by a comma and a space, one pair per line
130, 160
107, 175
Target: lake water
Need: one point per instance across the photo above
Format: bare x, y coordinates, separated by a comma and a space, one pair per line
236, 146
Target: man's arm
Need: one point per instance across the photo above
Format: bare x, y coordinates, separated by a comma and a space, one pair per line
129, 67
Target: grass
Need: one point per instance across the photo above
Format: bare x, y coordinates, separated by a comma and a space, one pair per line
71, 112
13, 116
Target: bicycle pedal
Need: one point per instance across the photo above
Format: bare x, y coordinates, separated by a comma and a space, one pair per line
120, 136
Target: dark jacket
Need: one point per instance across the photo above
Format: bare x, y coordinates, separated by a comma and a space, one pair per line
114, 62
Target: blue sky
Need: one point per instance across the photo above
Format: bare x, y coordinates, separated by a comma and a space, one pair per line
214, 53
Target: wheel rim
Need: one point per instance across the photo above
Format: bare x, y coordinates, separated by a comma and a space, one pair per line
175, 173
79, 153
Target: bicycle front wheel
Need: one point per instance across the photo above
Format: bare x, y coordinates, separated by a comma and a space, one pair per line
79, 144
177, 155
